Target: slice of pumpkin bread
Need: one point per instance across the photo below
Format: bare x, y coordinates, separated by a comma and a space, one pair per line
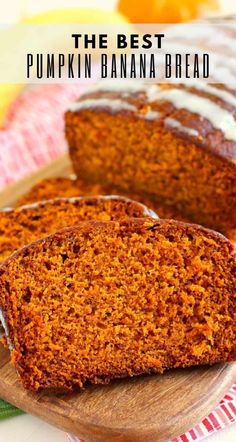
66, 187
57, 187
21, 226
104, 300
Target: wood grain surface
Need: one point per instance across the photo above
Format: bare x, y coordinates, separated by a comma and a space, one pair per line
142, 409
59, 167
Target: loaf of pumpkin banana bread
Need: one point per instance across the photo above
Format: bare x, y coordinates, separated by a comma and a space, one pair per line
25, 224
105, 300
174, 144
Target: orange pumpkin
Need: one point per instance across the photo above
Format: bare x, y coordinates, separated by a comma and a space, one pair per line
165, 11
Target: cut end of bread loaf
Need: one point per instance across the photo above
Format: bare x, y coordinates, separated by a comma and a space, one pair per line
185, 163
105, 300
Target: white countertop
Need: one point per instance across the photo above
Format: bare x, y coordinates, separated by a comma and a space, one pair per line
27, 428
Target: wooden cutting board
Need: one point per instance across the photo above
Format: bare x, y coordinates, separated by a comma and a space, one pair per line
142, 409
60, 167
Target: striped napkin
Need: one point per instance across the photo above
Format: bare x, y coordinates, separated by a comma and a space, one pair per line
33, 135
8, 410
221, 417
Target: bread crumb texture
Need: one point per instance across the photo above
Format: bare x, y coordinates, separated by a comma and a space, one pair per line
66, 187
142, 157
24, 225
105, 300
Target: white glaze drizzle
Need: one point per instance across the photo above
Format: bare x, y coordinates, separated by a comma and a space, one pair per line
219, 118
126, 87
180, 47
229, 78
113, 104
181, 98
208, 33
221, 93
151, 115
173, 123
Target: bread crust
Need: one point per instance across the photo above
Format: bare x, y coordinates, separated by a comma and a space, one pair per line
167, 154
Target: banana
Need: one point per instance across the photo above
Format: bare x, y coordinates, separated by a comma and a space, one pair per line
8, 94
76, 16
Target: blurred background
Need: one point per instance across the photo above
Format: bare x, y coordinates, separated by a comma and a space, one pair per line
144, 10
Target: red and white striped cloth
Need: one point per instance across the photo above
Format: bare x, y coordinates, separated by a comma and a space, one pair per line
33, 135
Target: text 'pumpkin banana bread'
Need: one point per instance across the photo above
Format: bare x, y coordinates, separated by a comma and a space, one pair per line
104, 300
23, 225
175, 144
